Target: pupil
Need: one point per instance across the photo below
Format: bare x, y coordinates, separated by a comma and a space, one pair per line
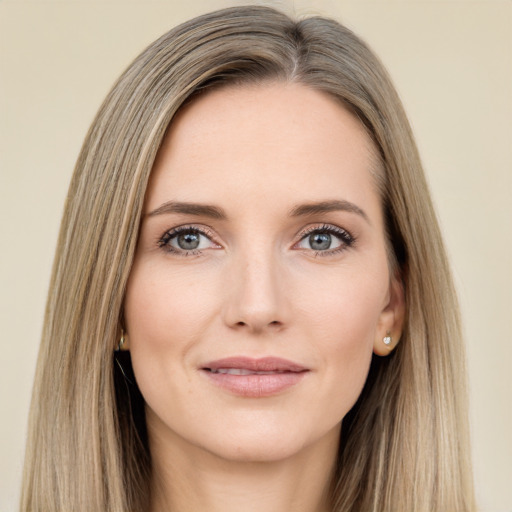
320, 241
188, 241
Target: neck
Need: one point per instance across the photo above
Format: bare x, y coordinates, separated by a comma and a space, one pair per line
199, 480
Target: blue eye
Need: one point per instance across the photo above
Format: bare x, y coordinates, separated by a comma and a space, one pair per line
326, 239
320, 241
186, 240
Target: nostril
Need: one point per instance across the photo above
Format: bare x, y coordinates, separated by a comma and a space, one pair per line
274, 323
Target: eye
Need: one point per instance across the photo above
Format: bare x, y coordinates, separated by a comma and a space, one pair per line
325, 239
186, 240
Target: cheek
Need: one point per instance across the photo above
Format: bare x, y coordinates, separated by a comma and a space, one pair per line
345, 303
165, 316
166, 313
163, 305
341, 318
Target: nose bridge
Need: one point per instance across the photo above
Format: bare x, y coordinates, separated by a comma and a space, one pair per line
256, 298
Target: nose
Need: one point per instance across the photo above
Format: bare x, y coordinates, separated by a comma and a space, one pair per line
256, 299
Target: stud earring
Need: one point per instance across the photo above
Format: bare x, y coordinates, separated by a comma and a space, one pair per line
387, 339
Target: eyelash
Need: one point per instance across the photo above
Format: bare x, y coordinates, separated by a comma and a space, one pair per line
346, 238
163, 242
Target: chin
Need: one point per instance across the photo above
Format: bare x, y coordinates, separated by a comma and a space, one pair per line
269, 444
258, 450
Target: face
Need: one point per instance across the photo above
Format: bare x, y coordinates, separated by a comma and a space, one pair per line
260, 285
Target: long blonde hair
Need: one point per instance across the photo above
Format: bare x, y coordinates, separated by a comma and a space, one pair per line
404, 445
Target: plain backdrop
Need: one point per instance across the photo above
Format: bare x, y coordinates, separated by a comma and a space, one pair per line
452, 64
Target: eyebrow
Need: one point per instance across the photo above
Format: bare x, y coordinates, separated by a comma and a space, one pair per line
203, 210
335, 205
215, 212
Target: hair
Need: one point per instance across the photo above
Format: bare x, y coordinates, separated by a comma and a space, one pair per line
404, 445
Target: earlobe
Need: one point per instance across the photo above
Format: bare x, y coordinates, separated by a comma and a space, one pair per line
385, 345
391, 321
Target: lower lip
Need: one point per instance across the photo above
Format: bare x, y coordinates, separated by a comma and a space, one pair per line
256, 386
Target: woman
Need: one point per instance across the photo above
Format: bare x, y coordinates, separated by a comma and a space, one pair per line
247, 224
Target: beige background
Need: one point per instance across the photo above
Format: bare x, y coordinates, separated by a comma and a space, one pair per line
452, 64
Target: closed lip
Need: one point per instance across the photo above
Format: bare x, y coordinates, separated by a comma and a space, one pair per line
254, 378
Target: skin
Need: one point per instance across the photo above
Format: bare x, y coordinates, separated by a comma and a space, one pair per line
256, 287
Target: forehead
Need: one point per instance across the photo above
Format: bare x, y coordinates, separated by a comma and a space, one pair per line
280, 141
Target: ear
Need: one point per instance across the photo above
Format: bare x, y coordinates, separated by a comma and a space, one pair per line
391, 320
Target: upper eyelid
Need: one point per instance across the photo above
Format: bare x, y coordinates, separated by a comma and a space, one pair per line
209, 231
202, 229
323, 227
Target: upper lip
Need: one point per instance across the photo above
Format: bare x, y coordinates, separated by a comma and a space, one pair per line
264, 364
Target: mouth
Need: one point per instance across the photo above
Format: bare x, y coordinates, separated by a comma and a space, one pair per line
254, 378
242, 371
